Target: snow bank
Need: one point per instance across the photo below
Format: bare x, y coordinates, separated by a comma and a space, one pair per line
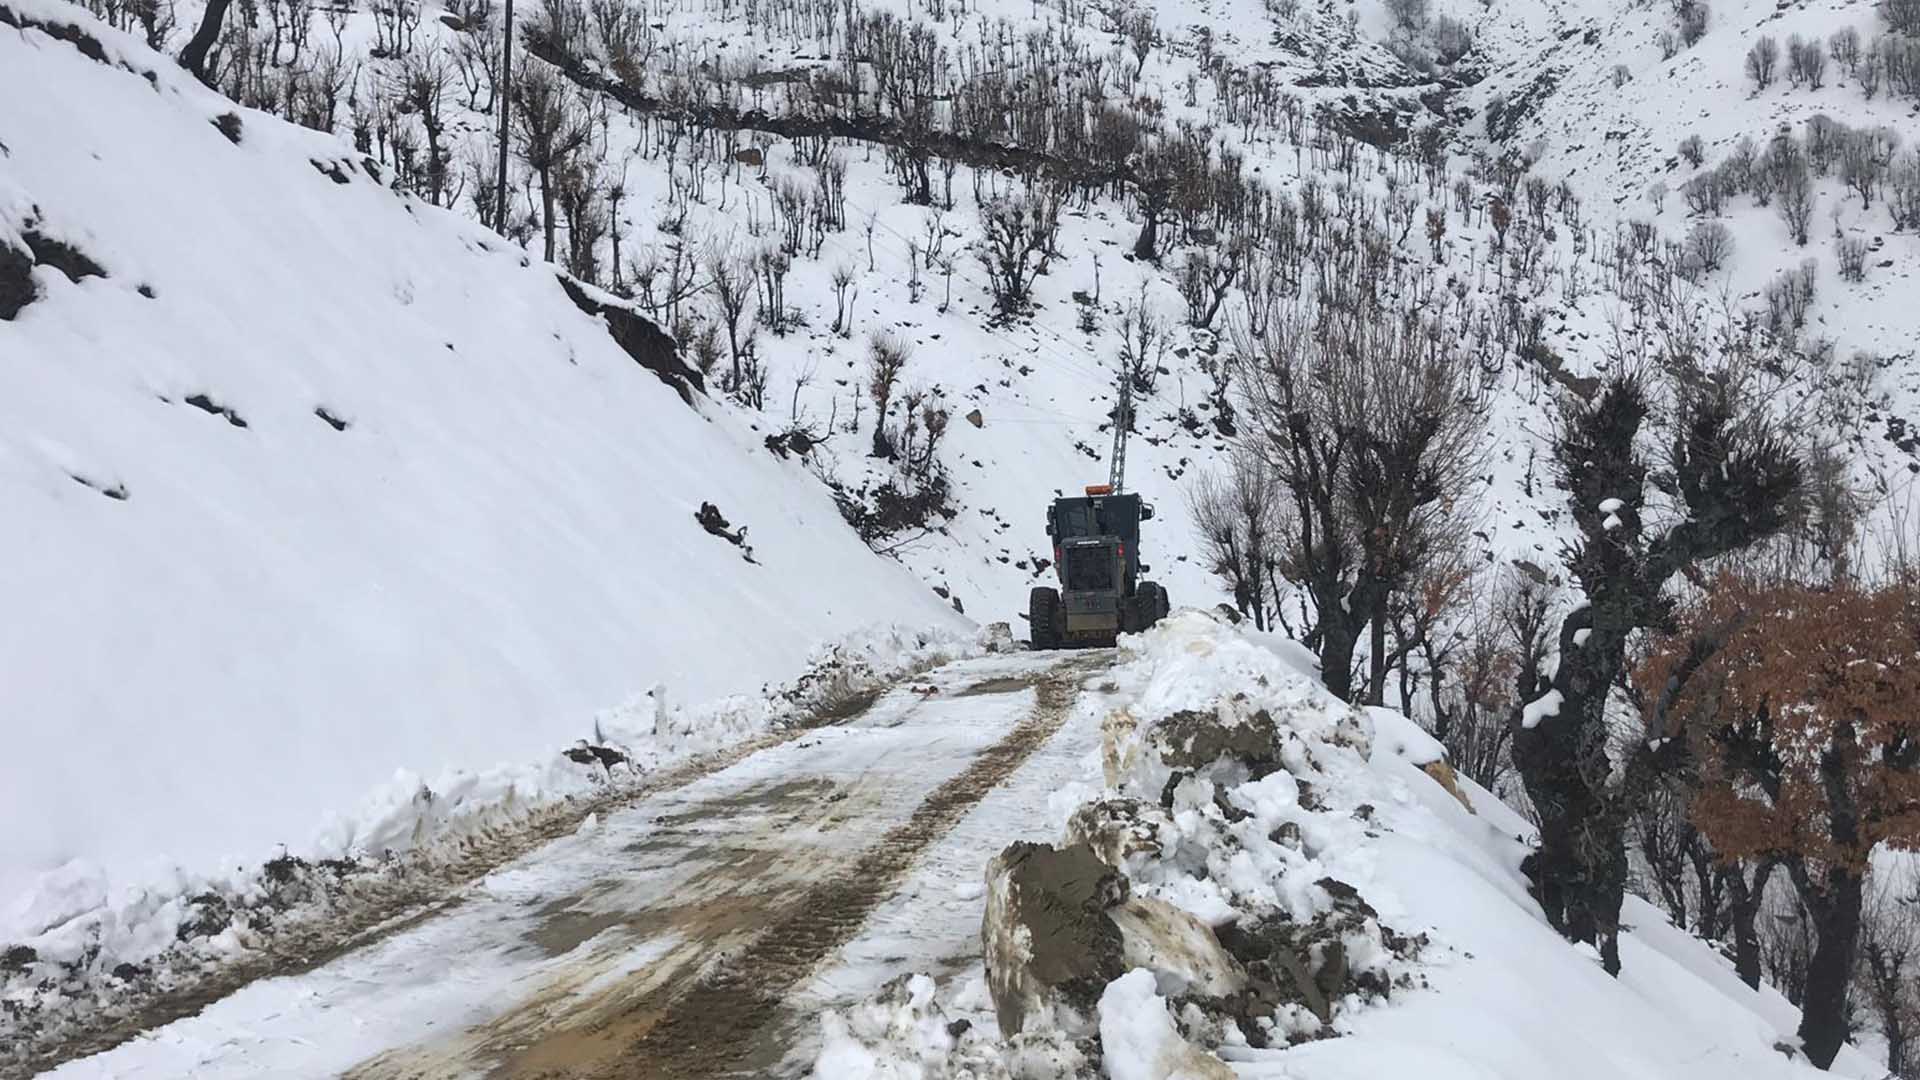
105, 950
319, 480
1452, 973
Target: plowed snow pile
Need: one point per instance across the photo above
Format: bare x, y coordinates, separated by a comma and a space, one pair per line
307, 481
1259, 881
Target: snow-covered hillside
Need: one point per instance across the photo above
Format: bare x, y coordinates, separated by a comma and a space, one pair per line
1231, 789
315, 470
307, 481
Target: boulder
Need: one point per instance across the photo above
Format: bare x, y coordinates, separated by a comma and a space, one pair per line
1192, 740
1049, 946
1181, 951
1118, 828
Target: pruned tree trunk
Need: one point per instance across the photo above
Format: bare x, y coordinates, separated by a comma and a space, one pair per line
194, 56
1835, 899
1338, 640
1743, 912
1835, 904
1377, 655
546, 211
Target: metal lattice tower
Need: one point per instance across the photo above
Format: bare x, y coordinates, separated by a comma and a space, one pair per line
1122, 420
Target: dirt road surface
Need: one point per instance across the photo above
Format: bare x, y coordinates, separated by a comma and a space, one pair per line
697, 932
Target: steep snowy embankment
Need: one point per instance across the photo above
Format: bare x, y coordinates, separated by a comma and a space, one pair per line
1307, 848
306, 480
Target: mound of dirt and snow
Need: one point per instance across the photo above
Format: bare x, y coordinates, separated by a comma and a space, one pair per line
308, 480
1320, 904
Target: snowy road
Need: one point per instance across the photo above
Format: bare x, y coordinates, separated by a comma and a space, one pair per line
695, 933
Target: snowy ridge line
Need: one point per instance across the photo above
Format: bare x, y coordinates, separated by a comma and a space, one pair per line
105, 976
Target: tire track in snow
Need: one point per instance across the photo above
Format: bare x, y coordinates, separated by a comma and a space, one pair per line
688, 1016
370, 911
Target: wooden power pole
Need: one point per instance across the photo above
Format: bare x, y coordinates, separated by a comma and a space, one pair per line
506, 112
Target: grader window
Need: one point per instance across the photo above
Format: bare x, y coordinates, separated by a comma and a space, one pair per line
1090, 569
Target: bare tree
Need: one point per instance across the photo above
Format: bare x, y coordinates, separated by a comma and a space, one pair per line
731, 281
1796, 203
1145, 345
1763, 59
1409, 16
1709, 243
1372, 426
1734, 481
1888, 979
1016, 244
1237, 520
888, 357
549, 128
424, 80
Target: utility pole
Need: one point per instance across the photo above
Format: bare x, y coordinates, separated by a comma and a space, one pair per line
1122, 420
506, 111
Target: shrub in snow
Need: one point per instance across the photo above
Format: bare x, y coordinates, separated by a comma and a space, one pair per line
1762, 60
1737, 169
1903, 16
1864, 159
1709, 244
1693, 150
1693, 20
1903, 191
1704, 195
1850, 253
1409, 16
1806, 61
1844, 46
1796, 203
1016, 244
1789, 297
1826, 137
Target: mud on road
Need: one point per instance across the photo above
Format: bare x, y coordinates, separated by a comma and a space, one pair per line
751, 919
373, 904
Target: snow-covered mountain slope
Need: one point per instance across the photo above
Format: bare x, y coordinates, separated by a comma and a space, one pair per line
1282, 85
1447, 970
305, 481
1591, 93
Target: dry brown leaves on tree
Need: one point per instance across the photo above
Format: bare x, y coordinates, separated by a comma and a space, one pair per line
1805, 722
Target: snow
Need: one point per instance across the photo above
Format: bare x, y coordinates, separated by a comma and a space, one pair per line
1138, 1040
913, 1022
1544, 707
1394, 733
279, 616
422, 998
